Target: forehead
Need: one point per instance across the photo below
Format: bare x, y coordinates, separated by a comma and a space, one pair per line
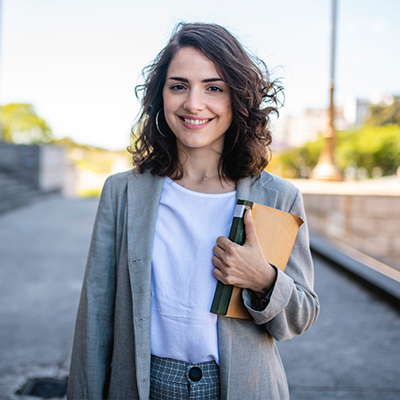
192, 63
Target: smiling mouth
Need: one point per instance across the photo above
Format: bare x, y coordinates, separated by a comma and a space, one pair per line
195, 121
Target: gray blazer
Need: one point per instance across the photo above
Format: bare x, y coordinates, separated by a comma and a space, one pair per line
111, 352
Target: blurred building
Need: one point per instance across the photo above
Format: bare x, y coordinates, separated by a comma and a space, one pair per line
296, 130
356, 112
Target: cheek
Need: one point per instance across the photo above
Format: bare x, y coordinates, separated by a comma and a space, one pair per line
227, 109
229, 114
169, 112
170, 103
223, 109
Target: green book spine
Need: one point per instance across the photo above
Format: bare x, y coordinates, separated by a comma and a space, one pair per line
223, 293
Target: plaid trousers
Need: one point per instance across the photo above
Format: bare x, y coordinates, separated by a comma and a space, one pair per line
171, 380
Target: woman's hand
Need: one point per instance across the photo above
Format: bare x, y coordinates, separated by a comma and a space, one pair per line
243, 266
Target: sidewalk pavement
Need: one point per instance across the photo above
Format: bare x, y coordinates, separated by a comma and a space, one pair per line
43, 250
352, 352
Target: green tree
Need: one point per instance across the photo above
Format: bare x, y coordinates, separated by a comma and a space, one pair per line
297, 162
20, 124
385, 114
371, 147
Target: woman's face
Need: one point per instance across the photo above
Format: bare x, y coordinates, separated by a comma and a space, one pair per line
197, 102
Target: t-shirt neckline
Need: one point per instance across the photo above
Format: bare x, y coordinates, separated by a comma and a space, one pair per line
194, 193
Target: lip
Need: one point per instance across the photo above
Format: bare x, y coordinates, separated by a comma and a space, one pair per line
194, 122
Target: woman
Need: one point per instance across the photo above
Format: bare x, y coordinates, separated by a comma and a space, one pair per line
159, 243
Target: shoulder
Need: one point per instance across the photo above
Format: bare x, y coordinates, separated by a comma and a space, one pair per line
286, 190
121, 180
272, 181
131, 184
114, 185
270, 190
288, 194
289, 197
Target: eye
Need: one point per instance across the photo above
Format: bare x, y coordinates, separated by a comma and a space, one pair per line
214, 88
177, 87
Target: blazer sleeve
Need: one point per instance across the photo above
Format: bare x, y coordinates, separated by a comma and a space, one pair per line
292, 305
92, 348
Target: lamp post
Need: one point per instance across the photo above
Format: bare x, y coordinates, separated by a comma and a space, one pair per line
326, 168
1, 26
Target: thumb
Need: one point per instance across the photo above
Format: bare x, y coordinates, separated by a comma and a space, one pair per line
250, 228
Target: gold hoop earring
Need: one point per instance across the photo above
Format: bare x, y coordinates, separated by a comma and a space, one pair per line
158, 127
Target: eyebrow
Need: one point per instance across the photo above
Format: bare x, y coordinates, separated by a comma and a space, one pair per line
177, 78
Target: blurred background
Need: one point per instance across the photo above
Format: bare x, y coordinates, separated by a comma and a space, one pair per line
68, 71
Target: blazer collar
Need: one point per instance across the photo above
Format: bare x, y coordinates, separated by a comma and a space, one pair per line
258, 190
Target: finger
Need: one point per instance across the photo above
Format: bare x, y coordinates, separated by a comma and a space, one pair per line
218, 274
223, 242
225, 278
218, 251
219, 265
250, 228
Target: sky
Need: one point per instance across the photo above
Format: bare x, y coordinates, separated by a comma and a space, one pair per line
78, 61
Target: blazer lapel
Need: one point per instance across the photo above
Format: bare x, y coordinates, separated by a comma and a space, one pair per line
257, 190
144, 191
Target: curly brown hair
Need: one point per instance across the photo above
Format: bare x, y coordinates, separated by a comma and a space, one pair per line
254, 98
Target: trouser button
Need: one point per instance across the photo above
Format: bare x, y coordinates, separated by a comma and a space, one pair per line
195, 374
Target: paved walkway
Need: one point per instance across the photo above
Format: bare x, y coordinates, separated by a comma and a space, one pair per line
351, 353
43, 250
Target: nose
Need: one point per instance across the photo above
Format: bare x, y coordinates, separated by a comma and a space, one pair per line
194, 101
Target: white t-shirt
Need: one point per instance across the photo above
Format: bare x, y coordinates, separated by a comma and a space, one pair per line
182, 284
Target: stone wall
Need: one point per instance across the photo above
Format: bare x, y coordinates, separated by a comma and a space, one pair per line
42, 167
369, 223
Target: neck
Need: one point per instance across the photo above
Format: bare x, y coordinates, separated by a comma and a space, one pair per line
200, 173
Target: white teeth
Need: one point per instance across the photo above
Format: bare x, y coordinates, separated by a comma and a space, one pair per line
195, 121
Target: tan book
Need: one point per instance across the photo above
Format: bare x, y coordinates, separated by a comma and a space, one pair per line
276, 231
